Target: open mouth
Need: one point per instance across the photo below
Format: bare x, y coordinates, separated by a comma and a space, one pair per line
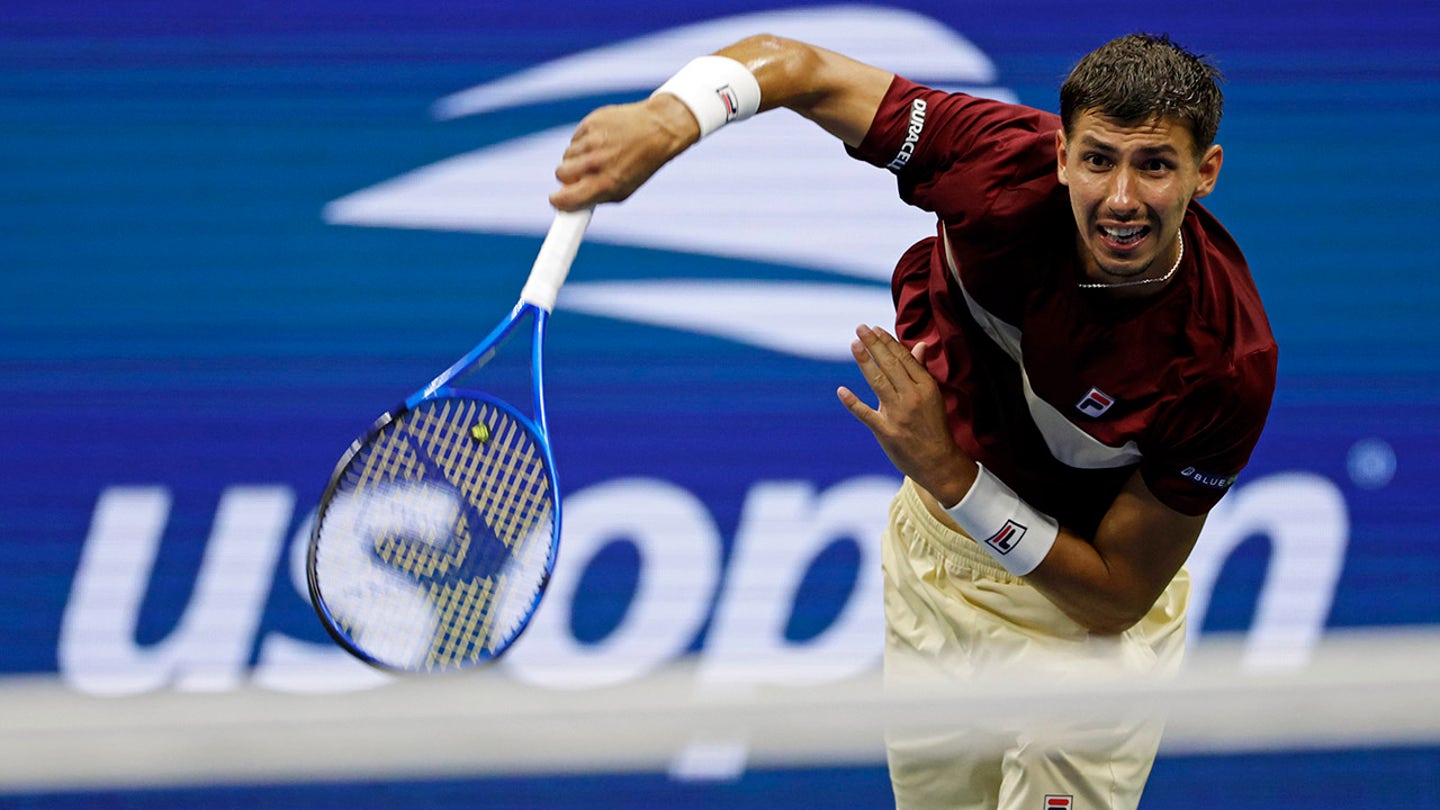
1124, 236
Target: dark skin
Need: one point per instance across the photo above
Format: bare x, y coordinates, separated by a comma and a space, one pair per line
1129, 184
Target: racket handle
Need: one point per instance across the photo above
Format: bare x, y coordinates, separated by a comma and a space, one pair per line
552, 265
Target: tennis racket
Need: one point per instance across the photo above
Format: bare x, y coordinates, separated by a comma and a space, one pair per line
438, 531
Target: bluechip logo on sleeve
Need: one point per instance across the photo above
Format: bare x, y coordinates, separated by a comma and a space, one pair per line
1210, 480
912, 138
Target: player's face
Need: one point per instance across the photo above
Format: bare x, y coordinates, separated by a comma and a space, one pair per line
1129, 185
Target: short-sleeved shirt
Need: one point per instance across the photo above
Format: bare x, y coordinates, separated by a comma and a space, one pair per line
1064, 392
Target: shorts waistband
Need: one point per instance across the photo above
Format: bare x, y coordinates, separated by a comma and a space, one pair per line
958, 546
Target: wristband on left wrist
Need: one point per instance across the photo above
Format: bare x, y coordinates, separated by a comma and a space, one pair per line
1016, 534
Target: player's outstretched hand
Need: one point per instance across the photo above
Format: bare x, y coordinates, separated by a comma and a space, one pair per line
910, 421
615, 149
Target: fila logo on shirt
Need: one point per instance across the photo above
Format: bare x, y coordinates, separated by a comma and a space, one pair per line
1053, 802
1007, 538
1095, 403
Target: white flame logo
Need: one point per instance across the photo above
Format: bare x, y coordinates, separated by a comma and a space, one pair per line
776, 190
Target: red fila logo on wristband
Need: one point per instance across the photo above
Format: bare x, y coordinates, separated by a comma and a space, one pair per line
1095, 403
731, 100
1054, 802
1007, 538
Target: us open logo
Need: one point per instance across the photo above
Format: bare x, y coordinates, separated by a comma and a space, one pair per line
1007, 538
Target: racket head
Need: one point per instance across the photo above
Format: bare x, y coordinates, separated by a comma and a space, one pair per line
437, 534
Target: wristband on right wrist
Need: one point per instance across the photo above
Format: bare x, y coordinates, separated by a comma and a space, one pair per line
716, 89
1015, 533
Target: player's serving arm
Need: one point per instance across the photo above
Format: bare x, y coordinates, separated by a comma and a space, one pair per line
616, 149
1080, 367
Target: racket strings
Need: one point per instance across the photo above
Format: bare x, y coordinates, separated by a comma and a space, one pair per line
510, 487
479, 548
465, 631
421, 559
391, 461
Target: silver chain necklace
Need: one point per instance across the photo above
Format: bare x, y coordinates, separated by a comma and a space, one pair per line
1102, 285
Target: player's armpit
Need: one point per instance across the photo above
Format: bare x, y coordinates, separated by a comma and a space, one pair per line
1109, 583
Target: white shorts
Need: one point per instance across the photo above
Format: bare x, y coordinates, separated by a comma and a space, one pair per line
953, 611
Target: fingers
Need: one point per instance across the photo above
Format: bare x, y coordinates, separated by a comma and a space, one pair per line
581, 172
875, 375
898, 365
896, 375
867, 415
617, 148
918, 351
579, 194
849, 400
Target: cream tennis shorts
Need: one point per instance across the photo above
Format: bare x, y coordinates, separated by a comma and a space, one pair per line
953, 615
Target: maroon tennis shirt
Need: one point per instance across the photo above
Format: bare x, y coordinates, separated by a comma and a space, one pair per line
1062, 392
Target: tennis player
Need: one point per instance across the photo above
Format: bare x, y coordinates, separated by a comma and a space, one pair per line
1080, 367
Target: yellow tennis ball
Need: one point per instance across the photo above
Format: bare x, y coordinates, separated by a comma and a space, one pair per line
480, 433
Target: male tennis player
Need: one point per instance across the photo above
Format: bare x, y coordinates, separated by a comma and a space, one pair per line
1080, 368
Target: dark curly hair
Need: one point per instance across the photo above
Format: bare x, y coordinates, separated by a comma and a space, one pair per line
1138, 77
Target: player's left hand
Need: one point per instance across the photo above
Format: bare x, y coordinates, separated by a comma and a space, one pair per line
910, 421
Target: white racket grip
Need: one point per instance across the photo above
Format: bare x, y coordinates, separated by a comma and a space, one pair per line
552, 264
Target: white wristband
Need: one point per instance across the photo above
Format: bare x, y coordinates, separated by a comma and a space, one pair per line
1016, 534
717, 89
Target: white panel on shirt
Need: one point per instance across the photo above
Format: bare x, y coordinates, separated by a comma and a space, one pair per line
1068, 443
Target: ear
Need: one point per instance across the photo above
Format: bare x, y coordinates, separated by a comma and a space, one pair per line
1062, 156
1209, 170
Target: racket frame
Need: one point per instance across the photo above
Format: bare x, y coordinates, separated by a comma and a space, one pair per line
537, 299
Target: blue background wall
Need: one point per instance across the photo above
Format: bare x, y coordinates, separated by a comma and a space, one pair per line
177, 314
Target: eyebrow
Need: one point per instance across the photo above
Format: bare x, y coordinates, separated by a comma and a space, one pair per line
1091, 142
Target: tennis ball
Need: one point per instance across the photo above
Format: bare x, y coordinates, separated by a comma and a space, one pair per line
480, 433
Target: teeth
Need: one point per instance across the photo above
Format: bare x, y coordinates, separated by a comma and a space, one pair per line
1124, 234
